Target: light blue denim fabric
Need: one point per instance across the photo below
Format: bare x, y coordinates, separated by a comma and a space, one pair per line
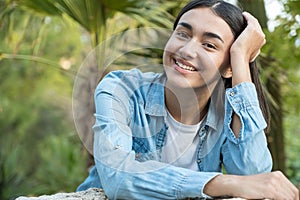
130, 130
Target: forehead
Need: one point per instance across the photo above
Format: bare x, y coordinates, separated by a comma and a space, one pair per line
205, 20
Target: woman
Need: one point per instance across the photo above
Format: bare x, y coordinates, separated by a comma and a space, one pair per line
167, 136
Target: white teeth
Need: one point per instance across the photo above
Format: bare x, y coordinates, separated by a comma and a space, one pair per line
185, 67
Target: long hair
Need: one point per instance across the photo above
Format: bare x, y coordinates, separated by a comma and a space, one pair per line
233, 16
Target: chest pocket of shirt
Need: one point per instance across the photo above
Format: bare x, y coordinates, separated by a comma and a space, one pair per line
144, 150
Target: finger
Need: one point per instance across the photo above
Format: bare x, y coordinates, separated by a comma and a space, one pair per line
254, 27
288, 188
253, 59
251, 20
249, 17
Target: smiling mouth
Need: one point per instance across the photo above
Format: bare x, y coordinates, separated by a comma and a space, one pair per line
185, 67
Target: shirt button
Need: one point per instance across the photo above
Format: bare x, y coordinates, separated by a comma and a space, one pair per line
232, 94
118, 147
198, 161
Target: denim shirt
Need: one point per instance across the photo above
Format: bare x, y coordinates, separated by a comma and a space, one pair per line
130, 129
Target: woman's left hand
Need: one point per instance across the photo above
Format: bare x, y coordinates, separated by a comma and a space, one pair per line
250, 41
245, 49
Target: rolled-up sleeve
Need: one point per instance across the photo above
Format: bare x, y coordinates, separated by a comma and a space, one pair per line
248, 153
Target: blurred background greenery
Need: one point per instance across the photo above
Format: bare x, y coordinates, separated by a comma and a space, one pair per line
42, 45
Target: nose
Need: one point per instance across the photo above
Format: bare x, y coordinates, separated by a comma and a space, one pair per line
188, 50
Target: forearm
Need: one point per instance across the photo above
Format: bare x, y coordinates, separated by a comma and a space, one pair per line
247, 152
243, 115
240, 73
240, 68
236, 125
151, 180
243, 51
222, 185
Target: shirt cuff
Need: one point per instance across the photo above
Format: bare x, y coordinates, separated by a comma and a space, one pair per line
193, 185
242, 96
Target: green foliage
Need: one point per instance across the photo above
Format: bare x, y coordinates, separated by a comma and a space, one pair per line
35, 104
94, 14
292, 145
61, 158
284, 48
33, 120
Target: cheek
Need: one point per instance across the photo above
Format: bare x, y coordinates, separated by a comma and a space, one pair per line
170, 46
225, 69
168, 50
221, 60
225, 62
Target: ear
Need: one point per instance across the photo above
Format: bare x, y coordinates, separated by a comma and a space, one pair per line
227, 72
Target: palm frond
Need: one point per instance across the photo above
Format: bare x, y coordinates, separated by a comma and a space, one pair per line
92, 14
46, 7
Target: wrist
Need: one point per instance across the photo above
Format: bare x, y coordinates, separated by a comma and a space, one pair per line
240, 70
223, 185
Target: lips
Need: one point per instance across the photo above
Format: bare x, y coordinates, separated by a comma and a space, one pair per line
184, 65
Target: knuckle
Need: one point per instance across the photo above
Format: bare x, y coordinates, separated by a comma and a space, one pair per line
261, 34
278, 173
265, 41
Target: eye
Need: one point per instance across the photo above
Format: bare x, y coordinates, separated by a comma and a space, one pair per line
209, 45
182, 34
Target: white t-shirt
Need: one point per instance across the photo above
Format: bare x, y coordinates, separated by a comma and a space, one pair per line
181, 144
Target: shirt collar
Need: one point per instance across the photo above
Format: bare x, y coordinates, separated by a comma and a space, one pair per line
155, 105
216, 111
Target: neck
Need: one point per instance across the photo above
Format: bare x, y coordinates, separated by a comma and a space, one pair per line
188, 106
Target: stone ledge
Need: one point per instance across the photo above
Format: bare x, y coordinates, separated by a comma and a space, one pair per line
90, 194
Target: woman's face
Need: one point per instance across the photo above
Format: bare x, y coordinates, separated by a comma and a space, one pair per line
197, 53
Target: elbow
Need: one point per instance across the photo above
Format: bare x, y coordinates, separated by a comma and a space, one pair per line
113, 181
110, 181
249, 162
254, 165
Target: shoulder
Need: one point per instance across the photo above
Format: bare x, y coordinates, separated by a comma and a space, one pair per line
128, 80
132, 75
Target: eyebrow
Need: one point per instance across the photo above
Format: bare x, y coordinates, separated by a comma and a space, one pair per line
213, 35
186, 25
205, 34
